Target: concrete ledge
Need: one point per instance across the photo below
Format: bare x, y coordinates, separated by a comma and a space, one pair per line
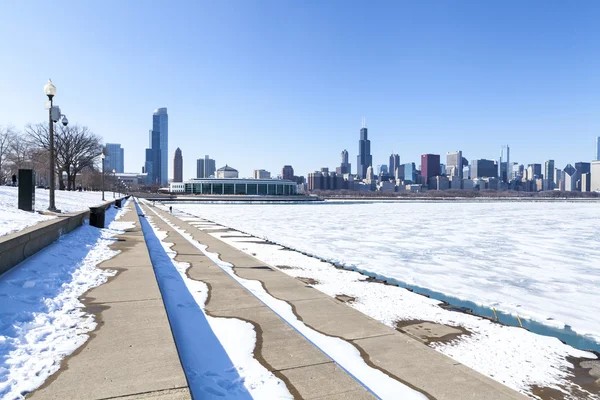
18, 246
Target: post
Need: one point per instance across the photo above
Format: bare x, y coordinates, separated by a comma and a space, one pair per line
52, 206
103, 179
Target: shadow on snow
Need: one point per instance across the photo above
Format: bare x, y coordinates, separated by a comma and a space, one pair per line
209, 370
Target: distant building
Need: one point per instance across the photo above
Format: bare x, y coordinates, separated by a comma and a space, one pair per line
586, 182
132, 181
441, 183
483, 169
261, 174
598, 148
178, 166
595, 177
454, 164
409, 173
394, 163
382, 169
227, 172
233, 186
287, 172
364, 159
205, 167
430, 166
569, 178
114, 157
549, 174
325, 180
504, 165
534, 171
345, 167
157, 155
370, 176
582, 168
557, 178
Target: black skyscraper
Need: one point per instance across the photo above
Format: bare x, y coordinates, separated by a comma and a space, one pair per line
364, 159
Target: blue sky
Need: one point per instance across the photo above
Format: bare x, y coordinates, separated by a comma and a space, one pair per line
267, 83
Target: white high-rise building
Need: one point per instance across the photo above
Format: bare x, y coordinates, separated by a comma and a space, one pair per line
454, 164
595, 181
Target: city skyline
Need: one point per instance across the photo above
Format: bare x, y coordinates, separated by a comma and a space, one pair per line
471, 77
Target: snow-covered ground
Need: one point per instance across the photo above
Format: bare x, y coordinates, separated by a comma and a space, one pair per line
514, 356
41, 318
12, 219
537, 260
340, 351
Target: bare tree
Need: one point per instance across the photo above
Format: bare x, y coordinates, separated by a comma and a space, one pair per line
7, 137
76, 148
20, 154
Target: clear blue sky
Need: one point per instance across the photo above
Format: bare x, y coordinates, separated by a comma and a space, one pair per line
267, 83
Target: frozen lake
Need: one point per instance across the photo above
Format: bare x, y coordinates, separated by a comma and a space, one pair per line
538, 260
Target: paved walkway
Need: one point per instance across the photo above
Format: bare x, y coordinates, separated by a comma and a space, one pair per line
131, 354
309, 373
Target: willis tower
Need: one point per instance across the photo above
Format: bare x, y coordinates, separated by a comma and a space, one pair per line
364, 159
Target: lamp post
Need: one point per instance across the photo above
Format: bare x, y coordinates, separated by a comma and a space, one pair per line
114, 183
102, 157
54, 115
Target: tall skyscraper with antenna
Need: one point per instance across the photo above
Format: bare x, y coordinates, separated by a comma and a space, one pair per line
364, 159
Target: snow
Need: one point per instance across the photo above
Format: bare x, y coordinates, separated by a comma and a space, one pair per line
513, 356
42, 320
340, 351
538, 260
229, 375
13, 220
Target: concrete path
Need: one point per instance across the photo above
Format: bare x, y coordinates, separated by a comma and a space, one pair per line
131, 354
309, 373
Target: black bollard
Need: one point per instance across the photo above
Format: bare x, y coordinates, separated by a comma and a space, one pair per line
97, 217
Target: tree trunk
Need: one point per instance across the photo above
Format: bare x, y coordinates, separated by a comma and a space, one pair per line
61, 183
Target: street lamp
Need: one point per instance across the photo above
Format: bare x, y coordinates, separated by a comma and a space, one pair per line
102, 157
114, 183
54, 116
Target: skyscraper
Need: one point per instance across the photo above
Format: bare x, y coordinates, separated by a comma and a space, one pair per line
410, 173
430, 166
205, 167
345, 167
178, 166
454, 164
115, 158
394, 163
484, 169
549, 173
598, 148
364, 159
569, 178
156, 158
504, 166
287, 172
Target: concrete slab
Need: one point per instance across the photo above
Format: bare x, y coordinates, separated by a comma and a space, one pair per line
325, 381
130, 353
288, 289
174, 394
281, 346
133, 254
337, 319
131, 284
441, 377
